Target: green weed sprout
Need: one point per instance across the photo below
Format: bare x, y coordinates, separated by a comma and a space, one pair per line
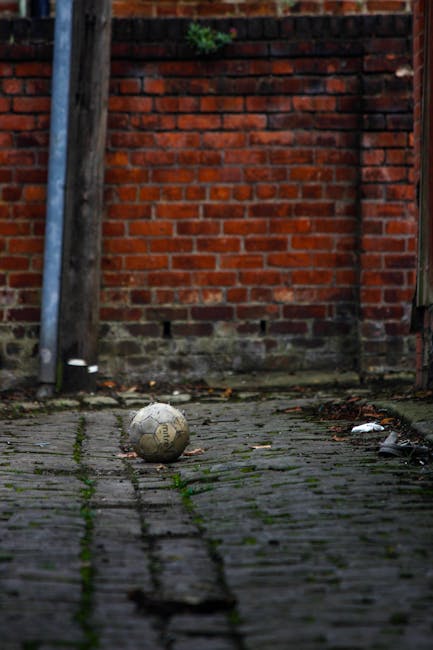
206, 40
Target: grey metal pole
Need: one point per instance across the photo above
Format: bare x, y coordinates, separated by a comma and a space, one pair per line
51, 287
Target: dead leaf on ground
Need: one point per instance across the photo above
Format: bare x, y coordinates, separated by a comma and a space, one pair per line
338, 438
194, 452
227, 392
386, 421
129, 389
161, 468
108, 384
293, 409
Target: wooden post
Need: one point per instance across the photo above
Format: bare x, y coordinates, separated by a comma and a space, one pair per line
79, 311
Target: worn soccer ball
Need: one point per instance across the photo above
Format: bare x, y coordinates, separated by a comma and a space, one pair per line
159, 433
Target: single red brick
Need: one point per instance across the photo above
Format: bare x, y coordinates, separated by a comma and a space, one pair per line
164, 278
266, 191
398, 295
400, 227
177, 104
382, 278
384, 174
245, 227
310, 173
198, 228
263, 295
214, 278
196, 157
222, 104
371, 295
11, 122
25, 315
121, 314
128, 211
220, 175
400, 192
164, 296
173, 245
224, 141
223, 211
251, 312
189, 296
246, 157
264, 244
261, 277
12, 86
291, 260
113, 229
287, 327
33, 69
134, 140
192, 329
144, 262
149, 193
34, 193
214, 313
383, 244
313, 242
244, 122
199, 122
307, 278
14, 228
242, 261
237, 295
193, 262
220, 193
126, 245
212, 296
31, 105
116, 175
130, 86
11, 192
172, 175
274, 138
172, 193
218, 244
400, 261
117, 159
177, 211
22, 279
195, 193
151, 228
25, 245
242, 192
154, 86
304, 311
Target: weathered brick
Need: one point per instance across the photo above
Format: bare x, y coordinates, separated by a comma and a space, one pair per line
243, 180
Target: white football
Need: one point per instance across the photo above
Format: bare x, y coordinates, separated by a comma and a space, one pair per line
159, 433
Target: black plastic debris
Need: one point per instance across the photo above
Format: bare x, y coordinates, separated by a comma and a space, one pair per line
391, 448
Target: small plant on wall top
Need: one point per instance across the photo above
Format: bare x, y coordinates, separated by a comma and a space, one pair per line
206, 40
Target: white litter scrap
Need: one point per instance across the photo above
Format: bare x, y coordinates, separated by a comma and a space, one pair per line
367, 427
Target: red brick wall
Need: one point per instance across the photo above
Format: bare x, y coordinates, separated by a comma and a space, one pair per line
190, 8
259, 203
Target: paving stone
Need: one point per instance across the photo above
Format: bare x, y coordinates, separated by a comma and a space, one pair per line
307, 543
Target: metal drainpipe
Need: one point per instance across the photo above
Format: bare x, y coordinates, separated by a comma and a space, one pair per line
51, 286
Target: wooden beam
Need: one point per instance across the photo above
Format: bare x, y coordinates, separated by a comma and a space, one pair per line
79, 312
425, 230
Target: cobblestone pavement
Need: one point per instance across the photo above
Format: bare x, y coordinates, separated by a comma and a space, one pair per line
276, 537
